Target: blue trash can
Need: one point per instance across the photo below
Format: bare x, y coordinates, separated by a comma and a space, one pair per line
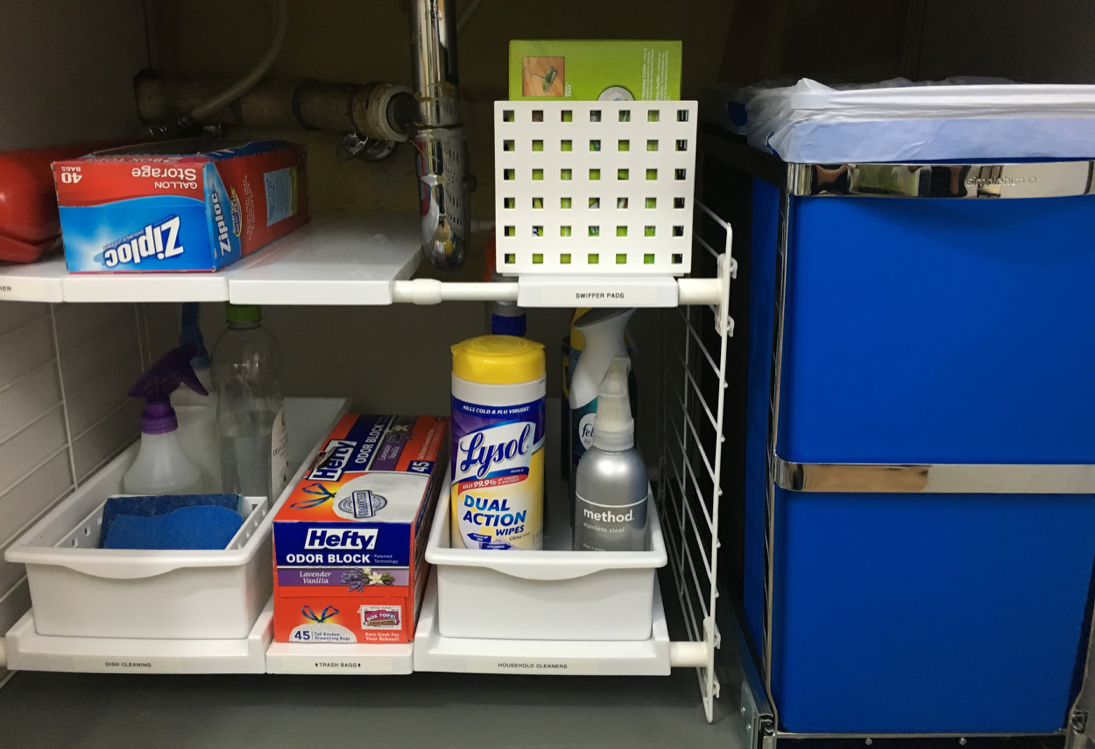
920, 443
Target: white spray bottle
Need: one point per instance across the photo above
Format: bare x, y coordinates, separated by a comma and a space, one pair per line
604, 338
197, 413
161, 466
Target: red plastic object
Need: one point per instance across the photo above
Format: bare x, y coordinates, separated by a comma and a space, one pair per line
29, 222
488, 269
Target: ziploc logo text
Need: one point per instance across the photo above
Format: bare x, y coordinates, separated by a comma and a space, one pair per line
342, 538
156, 240
503, 450
223, 241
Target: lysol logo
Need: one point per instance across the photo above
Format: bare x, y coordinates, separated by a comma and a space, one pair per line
343, 538
499, 450
158, 240
332, 461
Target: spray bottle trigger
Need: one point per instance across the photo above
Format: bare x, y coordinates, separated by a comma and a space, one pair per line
189, 378
173, 368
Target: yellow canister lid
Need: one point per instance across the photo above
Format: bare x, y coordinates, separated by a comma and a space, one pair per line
498, 360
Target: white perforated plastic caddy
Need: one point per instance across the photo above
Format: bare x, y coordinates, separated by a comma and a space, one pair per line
594, 187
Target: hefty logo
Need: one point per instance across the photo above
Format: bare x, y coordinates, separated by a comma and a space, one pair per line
157, 240
342, 538
332, 461
503, 450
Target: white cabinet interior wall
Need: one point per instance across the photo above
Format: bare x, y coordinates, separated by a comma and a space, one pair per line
65, 371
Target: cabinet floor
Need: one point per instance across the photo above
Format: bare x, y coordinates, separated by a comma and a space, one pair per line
86, 711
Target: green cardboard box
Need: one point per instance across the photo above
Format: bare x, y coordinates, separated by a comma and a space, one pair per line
594, 70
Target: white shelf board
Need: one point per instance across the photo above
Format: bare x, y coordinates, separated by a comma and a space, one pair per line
432, 652
145, 287
337, 259
29, 651
33, 282
351, 660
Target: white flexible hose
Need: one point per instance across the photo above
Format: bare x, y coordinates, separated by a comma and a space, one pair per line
262, 67
465, 17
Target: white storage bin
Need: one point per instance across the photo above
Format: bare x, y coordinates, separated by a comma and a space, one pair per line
78, 590
544, 595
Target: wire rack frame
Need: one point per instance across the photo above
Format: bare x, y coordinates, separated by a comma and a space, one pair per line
692, 379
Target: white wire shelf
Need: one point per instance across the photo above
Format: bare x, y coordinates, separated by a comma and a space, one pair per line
346, 259
692, 355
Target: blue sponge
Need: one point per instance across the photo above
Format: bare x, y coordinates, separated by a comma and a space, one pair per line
170, 522
207, 528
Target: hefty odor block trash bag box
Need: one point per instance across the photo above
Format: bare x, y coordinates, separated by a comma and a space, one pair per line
178, 206
350, 542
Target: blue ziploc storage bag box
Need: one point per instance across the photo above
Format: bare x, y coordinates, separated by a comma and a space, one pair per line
178, 206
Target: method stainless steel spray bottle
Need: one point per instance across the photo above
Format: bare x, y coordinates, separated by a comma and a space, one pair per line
611, 483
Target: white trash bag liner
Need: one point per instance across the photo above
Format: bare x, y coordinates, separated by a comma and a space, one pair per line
902, 122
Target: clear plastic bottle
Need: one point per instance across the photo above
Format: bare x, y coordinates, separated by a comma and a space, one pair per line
250, 408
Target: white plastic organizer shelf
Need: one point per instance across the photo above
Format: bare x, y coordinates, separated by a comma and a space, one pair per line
289, 658
310, 420
348, 259
29, 651
433, 652
343, 259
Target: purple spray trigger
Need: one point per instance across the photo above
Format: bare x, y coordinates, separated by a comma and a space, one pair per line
157, 384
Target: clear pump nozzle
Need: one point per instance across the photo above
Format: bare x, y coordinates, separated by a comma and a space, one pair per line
613, 426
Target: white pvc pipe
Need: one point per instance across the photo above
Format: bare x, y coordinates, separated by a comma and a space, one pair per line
699, 291
432, 291
688, 654
465, 17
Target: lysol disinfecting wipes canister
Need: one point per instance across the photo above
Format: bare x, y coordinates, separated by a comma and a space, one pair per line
499, 385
